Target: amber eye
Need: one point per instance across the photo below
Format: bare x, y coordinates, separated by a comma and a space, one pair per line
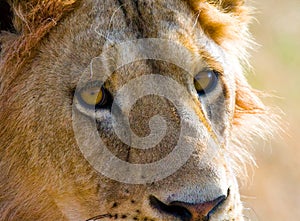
205, 81
93, 96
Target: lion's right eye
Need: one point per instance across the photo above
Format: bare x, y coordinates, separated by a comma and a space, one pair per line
94, 96
205, 81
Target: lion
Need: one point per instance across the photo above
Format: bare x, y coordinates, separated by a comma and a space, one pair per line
128, 73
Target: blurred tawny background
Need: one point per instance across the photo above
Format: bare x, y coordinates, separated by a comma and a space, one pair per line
273, 193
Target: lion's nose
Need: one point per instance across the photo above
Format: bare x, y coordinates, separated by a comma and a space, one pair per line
188, 211
200, 211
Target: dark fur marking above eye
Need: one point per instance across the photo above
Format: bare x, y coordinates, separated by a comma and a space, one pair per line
114, 205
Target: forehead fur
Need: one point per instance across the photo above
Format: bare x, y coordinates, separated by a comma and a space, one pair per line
220, 19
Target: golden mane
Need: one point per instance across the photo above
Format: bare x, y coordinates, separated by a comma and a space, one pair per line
221, 20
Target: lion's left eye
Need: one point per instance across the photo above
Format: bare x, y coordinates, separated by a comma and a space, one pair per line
93, 96
205, 81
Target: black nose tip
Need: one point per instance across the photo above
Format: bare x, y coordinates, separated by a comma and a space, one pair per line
174, 210
188, 211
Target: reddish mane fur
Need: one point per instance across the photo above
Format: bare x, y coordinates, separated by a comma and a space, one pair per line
221, 20
33, 21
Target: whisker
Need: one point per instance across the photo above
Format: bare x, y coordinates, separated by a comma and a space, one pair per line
250, 214
196, 21
113, 15
109, 25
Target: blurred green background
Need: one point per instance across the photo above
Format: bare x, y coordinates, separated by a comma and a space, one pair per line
273, 193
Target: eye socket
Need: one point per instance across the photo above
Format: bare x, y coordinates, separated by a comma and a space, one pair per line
205, 81
94, 96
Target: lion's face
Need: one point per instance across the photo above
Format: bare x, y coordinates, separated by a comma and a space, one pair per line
159, 89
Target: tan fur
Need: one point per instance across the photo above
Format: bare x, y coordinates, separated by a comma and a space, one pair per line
43, 173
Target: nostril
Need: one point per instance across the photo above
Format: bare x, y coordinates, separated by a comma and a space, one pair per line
174, 210
202, 211
188, 211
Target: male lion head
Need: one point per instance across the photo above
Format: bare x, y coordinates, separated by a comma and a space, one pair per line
125, 109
